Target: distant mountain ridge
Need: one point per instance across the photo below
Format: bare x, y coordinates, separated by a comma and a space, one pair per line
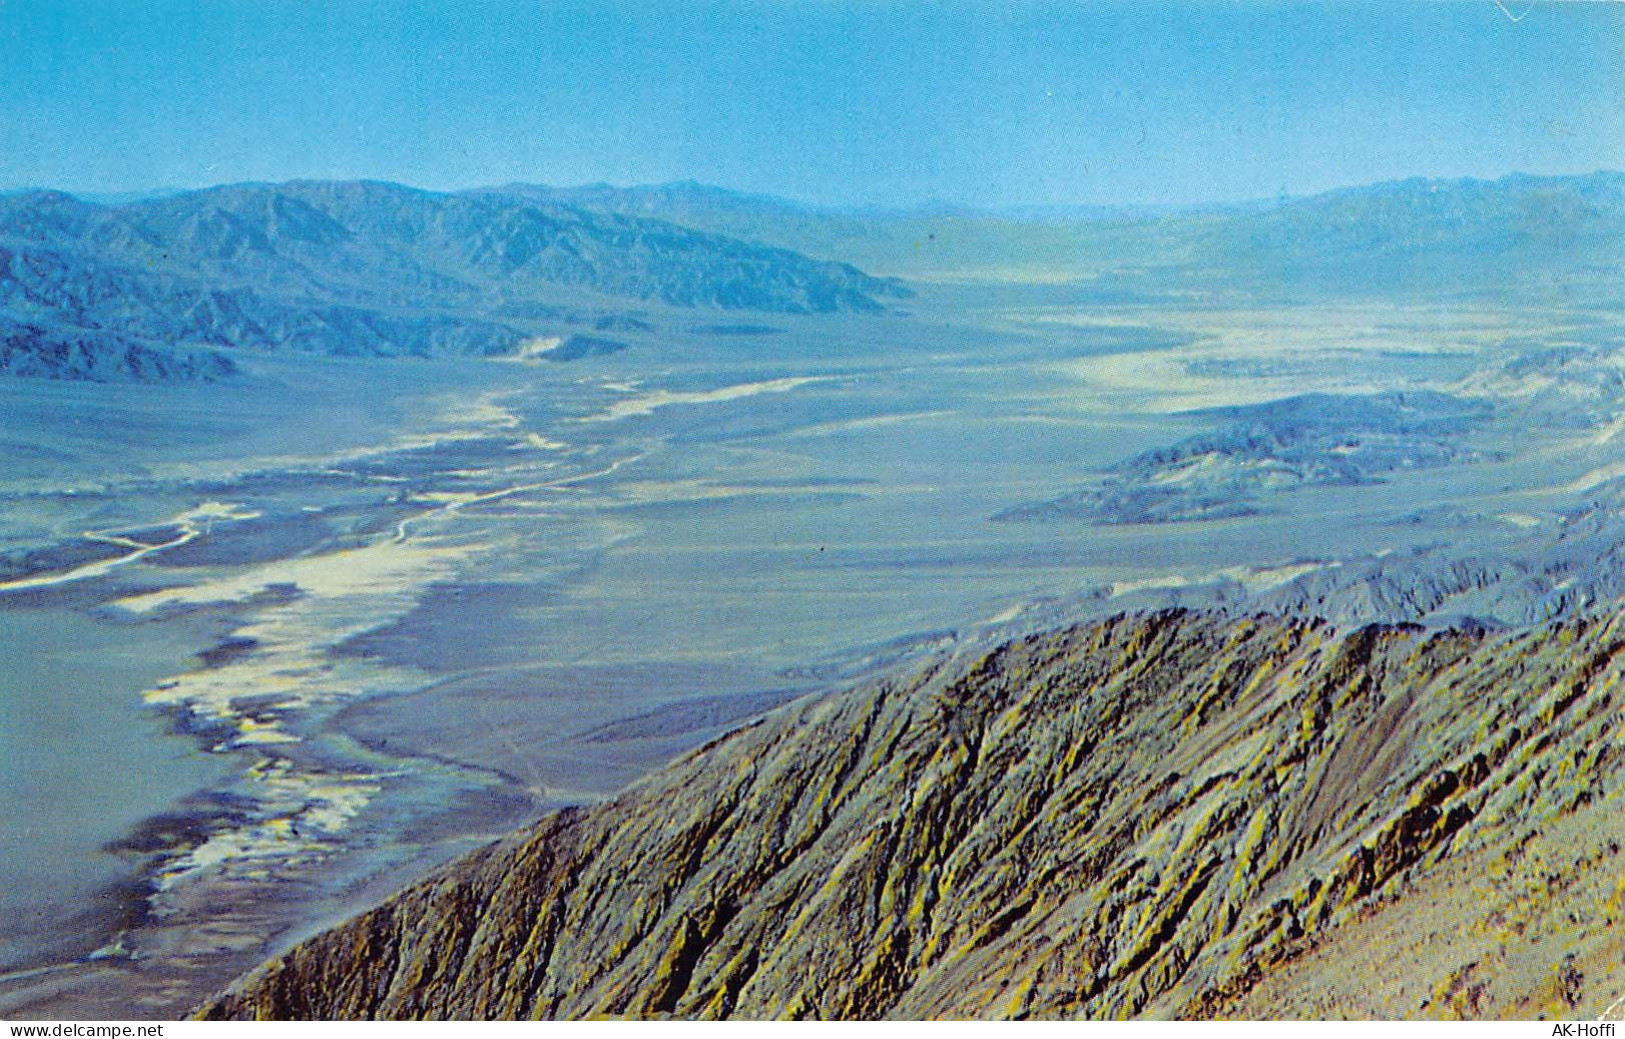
363, 268
373, 269
668, 201
1425, 235
672, 200
1460, 234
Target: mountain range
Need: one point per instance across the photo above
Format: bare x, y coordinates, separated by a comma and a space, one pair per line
374, 269
1458, 237
371, 269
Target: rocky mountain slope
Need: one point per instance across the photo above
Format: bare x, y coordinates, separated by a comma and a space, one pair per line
1162, 814
31, 351
370, 269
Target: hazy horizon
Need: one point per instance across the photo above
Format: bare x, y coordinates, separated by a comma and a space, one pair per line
843, 104
128, 195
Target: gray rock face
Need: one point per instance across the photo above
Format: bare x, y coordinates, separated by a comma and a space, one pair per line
1147, 815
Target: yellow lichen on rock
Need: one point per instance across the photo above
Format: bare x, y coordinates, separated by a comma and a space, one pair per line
1169, 814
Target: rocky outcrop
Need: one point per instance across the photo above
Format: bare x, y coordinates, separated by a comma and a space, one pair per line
1312, 440
1150, 815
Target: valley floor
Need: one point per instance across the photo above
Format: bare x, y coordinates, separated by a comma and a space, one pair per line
328, 629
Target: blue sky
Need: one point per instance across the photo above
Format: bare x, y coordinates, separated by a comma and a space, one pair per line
891, 103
